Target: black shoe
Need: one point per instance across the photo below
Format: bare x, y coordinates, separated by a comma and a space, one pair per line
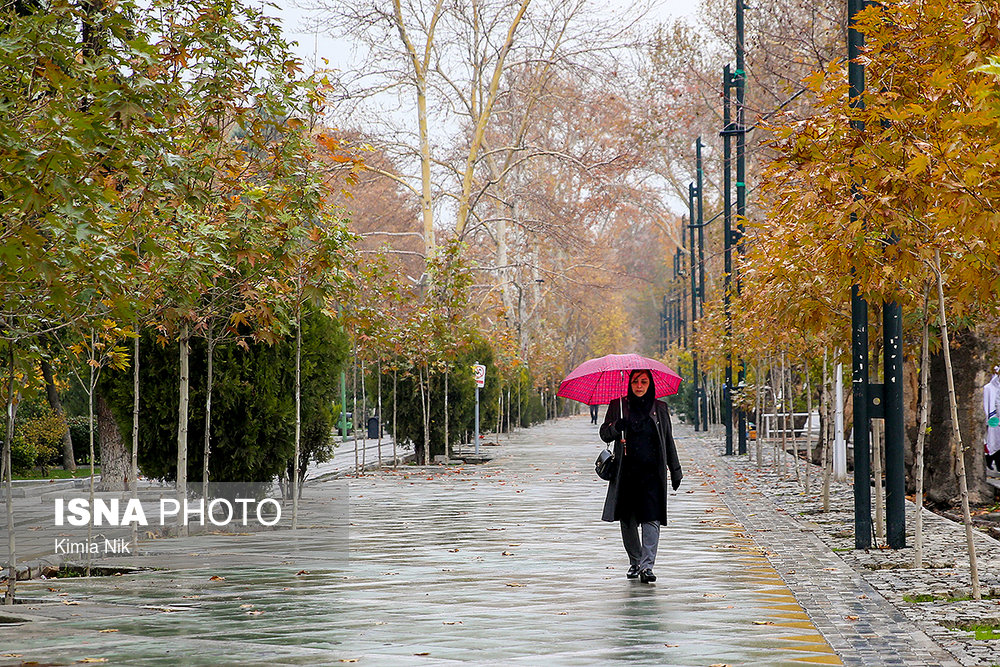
633, 572
647, 576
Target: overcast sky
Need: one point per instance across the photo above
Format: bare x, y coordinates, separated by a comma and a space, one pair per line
312, 46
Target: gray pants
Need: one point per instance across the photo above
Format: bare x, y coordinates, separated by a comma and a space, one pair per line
641, 553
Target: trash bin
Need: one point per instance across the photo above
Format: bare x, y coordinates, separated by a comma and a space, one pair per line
373, 427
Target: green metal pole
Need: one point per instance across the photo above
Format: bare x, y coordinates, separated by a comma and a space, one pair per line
703, 405
727, 207
895, 474
741, 187
694, 310
859, 320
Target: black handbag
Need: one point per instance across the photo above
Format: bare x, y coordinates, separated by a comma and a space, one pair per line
606, 465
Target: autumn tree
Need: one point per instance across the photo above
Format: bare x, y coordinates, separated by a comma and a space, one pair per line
925, 167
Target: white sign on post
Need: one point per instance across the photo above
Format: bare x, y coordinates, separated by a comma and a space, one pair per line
479, 372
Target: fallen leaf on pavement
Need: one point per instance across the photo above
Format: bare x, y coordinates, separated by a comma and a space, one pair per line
216, 577
514, 584
763, 622
852, 618
109, 630
93, 660
301, 572
421, 654
452, 622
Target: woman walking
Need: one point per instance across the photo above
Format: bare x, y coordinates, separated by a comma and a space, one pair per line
644, 448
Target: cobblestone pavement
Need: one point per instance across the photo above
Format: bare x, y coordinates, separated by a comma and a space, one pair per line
502, 562
919, 609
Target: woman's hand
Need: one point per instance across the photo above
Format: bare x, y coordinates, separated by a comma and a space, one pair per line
620, 425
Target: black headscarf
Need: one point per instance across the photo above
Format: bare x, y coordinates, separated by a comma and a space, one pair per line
639, 406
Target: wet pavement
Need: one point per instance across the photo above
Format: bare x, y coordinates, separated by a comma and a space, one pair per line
502, 562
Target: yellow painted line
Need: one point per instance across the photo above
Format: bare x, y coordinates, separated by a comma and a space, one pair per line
775, 596
821, 660
816, 638
794, 608
812, 648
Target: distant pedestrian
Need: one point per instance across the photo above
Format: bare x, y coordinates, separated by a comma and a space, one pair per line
593, 414
644, 448
991, 408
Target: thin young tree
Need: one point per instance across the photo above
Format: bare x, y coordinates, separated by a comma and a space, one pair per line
918, 463
956, 430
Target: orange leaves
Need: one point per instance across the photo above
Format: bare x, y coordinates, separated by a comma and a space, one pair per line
927, 168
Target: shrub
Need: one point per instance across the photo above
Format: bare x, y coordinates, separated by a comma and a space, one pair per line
22, 455
37, 436
45, 433
253, 404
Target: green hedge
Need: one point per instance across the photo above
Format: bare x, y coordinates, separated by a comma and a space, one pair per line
253, 404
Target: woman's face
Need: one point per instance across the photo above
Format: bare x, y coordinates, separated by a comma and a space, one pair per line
640, 384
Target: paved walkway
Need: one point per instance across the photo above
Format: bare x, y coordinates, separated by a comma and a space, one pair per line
861, 626
503, 562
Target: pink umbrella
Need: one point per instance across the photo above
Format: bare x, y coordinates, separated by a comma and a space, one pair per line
602, 380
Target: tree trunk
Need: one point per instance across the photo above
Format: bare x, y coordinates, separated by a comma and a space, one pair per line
182, 412
134, 477
69, 460
499, 411
809, 418
784, 417
510, 412
8, 476
379, 413
354, 416
827, 430
116, 460
421, 452
427, 420
968, 359
759, 407
918, 465
446, 452
298, 418
364, 417
91, 390
395, 433
960, 450
209, 383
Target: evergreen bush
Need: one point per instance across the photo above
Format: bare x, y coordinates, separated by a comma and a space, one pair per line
253, 404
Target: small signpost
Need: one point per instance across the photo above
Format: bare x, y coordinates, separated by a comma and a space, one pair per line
479, 373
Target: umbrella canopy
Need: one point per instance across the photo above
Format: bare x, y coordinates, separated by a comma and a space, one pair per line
602, 380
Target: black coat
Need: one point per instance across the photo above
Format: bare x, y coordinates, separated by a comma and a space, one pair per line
660, 415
